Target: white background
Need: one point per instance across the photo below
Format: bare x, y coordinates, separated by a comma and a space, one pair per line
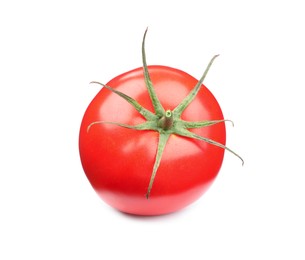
51, 50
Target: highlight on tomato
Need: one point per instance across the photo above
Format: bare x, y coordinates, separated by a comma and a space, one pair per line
152, 140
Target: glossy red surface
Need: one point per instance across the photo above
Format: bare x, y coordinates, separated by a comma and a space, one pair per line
118, 161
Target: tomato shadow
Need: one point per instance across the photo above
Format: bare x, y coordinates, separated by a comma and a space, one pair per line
157, 218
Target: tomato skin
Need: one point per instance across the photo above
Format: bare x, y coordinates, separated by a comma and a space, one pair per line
118, 162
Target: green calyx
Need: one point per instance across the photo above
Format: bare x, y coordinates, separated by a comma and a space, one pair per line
166, 122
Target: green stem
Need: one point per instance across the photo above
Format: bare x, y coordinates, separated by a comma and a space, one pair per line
166, 121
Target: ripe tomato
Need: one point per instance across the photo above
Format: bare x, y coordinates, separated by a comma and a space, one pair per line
119, 160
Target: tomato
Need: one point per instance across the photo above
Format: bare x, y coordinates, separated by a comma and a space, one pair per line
154, 168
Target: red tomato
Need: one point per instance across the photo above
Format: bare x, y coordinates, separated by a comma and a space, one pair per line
119, 161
